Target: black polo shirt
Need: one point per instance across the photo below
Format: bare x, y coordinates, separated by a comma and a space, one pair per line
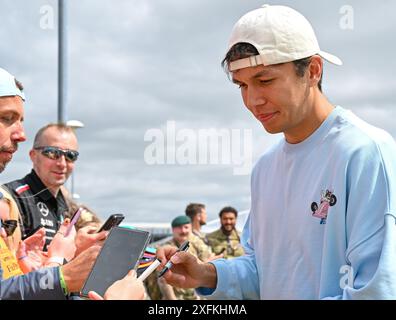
37, 205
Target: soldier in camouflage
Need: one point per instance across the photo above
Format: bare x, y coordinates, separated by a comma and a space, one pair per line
198, 216
226, 240
182, 231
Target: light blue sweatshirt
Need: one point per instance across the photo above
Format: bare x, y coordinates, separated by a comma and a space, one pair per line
322, 219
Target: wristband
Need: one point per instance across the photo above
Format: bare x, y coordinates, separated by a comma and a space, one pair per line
63, 282
58, 260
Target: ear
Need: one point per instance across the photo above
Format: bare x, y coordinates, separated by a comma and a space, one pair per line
32, 154
315, 70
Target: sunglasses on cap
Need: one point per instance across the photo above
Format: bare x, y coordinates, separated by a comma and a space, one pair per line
9, 226
55, 153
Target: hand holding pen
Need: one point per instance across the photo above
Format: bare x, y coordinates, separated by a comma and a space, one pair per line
169, 264
157, 262
186, 270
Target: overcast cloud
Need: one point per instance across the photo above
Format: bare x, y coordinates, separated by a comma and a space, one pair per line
135, 65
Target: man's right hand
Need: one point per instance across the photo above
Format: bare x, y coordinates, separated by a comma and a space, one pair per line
87, 237
76, 271
187, 270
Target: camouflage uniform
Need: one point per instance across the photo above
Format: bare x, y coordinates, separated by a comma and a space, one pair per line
152, 288
230, 246
202, 236
199, 249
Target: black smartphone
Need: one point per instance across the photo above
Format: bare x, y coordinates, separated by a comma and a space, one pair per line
113, 221
120, 253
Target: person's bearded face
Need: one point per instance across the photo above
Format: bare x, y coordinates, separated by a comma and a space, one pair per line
11, 129
6, 153
228, 222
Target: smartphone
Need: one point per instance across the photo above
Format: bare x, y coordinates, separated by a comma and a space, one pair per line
76, 215
113, 221
120, 253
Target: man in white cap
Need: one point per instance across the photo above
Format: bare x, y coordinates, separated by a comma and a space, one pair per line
323, 208
11, 106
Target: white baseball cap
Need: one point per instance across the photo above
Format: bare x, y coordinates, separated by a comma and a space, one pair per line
280, 34
8, 85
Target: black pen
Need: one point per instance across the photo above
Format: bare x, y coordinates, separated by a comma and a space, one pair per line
169, 264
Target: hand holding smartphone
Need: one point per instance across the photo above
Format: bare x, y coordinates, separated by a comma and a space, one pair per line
73, 221
113, 221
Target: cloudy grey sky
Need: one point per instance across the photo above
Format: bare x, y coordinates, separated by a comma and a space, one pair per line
134, 65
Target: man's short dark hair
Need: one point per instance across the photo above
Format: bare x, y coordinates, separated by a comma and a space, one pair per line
244, 50
59, 126
228, 209
193, 209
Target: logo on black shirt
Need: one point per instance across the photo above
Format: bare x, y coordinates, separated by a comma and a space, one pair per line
43, 208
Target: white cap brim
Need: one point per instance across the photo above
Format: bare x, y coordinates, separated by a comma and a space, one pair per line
330, 58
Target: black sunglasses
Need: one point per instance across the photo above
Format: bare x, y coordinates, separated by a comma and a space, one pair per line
55, 153
9, 226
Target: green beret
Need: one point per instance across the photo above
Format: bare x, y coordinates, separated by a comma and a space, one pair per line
180, 220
